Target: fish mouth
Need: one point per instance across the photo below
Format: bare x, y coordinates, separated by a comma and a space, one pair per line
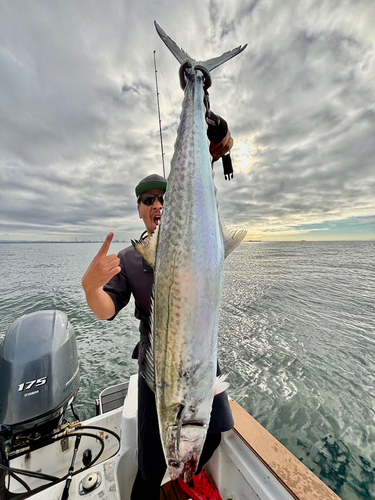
196, 423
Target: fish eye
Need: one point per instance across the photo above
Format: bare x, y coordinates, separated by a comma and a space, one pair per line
174, 463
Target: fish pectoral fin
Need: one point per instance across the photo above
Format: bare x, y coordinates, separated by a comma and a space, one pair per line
148, 248
221, 385
231, 238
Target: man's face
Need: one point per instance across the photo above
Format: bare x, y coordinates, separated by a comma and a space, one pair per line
150, 214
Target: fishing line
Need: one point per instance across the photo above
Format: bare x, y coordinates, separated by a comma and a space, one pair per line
175, 118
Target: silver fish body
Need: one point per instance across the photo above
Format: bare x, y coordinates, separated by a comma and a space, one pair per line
187, 289
187, 252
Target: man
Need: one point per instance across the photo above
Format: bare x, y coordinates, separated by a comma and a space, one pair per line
109, 282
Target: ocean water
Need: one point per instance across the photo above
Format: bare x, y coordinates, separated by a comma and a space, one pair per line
297, 337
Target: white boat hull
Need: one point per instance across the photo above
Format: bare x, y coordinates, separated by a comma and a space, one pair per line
249, 464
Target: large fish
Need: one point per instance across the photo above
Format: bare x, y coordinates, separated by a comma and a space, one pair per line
187, 252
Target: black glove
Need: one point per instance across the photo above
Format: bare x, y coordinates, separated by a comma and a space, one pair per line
217, 127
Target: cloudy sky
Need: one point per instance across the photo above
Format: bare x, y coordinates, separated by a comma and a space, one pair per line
79, 125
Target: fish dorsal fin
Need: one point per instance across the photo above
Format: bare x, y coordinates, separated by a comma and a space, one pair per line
183, 57
147, 248
149, 363
149, 373
231, 238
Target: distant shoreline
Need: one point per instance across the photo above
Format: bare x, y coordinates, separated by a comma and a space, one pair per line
52, 241
6, 242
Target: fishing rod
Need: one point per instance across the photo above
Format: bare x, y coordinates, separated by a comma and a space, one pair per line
157, 100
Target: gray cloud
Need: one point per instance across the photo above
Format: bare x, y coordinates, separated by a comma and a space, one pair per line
79, 126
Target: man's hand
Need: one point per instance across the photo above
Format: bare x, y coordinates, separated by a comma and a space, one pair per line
221, 141
102, 268
100, 271
223, 147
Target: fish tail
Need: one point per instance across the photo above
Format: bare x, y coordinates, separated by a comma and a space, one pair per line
183, 57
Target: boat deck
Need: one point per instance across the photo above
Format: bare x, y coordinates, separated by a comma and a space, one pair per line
274, 472
113, 397
172, 491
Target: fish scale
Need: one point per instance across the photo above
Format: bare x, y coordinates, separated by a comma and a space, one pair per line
187, 253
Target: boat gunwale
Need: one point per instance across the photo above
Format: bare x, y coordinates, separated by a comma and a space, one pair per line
296, 478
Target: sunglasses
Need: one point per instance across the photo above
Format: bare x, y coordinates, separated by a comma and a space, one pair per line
149, 199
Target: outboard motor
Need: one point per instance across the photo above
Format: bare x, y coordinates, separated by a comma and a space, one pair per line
39, 375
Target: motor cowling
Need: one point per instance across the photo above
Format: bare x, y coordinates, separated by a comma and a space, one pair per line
39, 371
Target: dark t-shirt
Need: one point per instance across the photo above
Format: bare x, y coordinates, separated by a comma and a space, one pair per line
137, 278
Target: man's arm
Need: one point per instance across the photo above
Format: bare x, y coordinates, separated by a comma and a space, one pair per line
100, 271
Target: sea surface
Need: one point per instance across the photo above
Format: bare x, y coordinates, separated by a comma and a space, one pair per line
297, 337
